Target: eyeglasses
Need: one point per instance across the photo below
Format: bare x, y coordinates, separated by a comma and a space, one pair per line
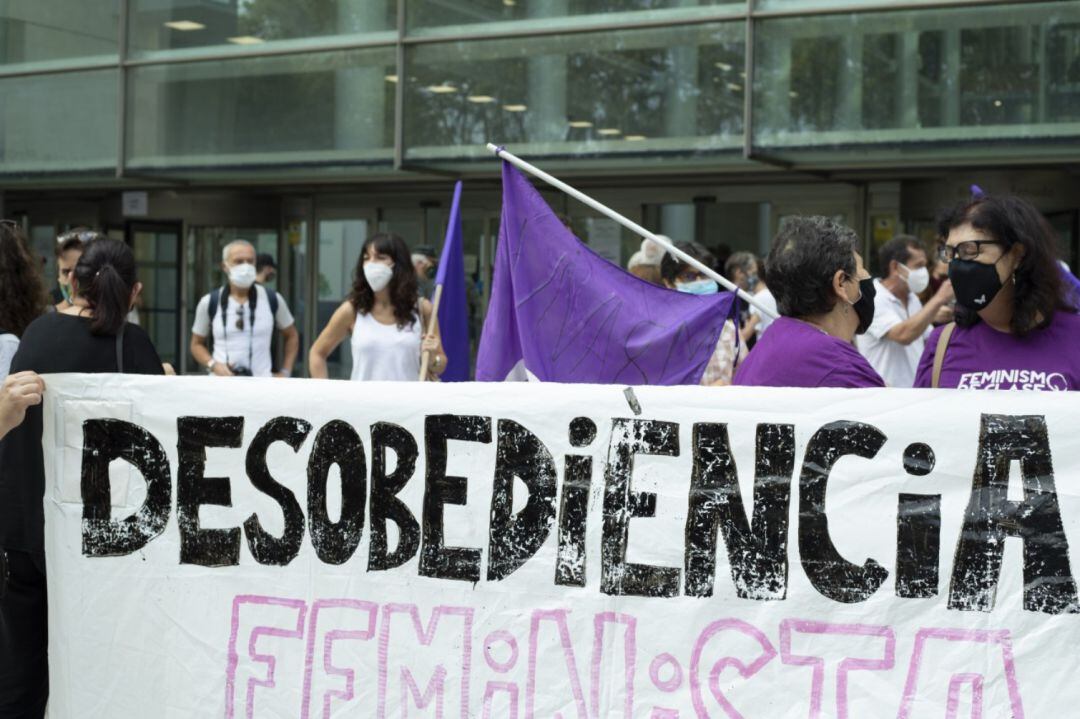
968, 250
240, 318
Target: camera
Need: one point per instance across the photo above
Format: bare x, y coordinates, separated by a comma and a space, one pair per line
240, 371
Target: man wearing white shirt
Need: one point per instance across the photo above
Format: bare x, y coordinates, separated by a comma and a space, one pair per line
894, 342
242, 317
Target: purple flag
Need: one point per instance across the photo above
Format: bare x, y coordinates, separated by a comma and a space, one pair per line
562, 313
454, 308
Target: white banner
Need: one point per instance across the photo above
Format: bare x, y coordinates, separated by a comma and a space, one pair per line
268, 548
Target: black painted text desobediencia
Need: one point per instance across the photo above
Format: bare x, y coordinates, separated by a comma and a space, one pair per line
756, 542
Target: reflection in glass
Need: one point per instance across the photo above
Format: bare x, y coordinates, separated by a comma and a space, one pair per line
323, 107
442, 13
340, 242
672, 89
995, 72
158, 25
35, 31
36, 137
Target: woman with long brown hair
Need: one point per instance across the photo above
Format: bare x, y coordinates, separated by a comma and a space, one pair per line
385, 317
22, 291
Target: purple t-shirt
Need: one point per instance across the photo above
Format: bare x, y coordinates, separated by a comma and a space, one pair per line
980, 357
796, 354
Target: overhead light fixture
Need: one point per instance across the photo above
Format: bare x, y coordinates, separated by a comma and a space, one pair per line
793, 94
734, 87
724, 66
580, 123
998, 103
515, 108
481, 99
509, 3
185, 25
246, 40
634, 138
391, 78
609, 131
442, 89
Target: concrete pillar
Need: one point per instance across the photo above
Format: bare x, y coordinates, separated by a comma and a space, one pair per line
907, 81
850, 83
360, 92
950, 100
545, 120
772, 104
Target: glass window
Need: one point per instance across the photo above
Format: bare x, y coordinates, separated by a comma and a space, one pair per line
43, 33
951, 75
58, 123
181, 25
299, 109
626, 91
442, 17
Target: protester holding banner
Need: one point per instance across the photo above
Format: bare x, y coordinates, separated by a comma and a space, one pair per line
385, 318
90, 336
22, 293
825, 297
19, 392
678, 275
1015, 327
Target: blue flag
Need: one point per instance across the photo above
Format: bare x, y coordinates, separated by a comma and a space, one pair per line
562, 313
454, 307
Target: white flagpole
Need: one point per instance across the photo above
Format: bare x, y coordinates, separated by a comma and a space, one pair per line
630, 225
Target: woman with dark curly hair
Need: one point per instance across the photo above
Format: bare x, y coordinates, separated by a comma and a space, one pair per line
22, 292
825, 297
385, 318
1015, 327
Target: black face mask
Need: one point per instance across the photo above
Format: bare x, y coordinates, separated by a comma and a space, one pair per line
864, 308
976, 284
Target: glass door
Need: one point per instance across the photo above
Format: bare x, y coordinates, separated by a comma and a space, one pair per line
157, 257
340, 239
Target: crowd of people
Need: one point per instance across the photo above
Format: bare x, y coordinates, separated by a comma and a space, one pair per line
989, 308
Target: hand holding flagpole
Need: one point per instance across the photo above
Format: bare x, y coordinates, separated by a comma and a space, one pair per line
432, 329
630, 225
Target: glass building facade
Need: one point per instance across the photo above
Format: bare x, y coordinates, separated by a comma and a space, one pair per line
304, 125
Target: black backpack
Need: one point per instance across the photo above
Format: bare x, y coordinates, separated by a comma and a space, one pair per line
272, 298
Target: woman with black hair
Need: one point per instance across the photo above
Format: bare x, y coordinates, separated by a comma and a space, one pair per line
1015, 327
825, 297
90, 336
385, 317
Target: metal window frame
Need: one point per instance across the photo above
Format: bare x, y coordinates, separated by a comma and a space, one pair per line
749, 14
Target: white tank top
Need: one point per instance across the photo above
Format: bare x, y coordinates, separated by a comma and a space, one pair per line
384, 353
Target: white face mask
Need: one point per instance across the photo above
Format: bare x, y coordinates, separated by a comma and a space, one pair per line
378, 275
917, 280
242, 275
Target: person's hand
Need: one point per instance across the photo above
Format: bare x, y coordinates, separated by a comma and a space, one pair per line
945, 293
19, 391
168, 369
944, 315
431, 344
221, 370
